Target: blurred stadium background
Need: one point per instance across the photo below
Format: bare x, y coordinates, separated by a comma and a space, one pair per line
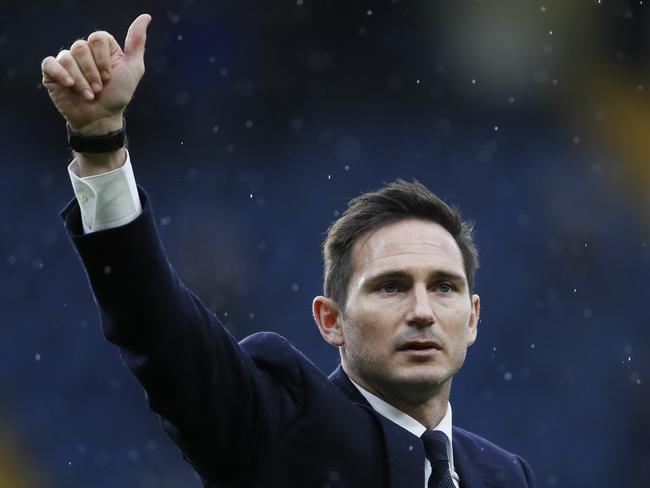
257, 121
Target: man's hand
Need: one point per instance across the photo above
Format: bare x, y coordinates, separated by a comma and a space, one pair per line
92, 83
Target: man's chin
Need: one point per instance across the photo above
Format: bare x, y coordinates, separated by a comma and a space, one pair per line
423, 378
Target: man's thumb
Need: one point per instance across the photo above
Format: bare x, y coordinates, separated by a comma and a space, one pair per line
136, 37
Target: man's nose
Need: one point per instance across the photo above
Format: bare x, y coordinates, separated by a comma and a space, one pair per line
421, 311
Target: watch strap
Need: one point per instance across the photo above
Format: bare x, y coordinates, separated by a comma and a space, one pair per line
97, 144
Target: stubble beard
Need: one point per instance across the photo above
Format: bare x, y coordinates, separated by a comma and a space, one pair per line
409, 387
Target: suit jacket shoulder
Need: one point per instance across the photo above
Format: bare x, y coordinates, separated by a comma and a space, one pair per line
480, 462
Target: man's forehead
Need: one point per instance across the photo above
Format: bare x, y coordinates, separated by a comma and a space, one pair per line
406, 247
406, 238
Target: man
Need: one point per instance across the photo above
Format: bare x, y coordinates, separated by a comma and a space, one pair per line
398, 304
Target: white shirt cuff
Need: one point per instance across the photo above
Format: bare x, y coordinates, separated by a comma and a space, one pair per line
107, 200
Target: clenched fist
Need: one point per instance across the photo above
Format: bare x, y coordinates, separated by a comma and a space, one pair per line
92, 83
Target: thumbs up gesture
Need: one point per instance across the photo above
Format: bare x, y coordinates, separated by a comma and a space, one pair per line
92, 83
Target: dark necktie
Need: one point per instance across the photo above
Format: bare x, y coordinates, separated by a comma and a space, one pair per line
435, 448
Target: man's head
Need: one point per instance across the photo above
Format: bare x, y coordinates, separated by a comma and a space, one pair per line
399, 281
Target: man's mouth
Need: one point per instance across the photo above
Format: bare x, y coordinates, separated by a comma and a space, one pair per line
419, 346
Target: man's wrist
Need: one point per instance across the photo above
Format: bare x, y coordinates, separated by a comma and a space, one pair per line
99, 143
100, 127
96, 164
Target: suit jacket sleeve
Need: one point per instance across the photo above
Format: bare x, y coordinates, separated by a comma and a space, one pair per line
221, 405
528, 472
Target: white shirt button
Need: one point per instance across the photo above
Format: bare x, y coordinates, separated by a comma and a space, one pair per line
83, 197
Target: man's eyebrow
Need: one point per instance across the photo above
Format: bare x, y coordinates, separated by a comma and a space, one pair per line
387, 275
434, 275
447, 275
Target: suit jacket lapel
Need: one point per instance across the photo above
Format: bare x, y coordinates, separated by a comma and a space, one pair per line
404, 451
473, 471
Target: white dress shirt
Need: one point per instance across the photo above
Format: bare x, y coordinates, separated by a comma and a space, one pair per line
111, 199
414, 427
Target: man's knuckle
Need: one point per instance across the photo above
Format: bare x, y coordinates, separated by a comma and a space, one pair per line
98, 37
78, 46
46, 62
63, 56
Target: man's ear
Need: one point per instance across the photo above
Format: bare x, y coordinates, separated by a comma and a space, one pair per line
327, 316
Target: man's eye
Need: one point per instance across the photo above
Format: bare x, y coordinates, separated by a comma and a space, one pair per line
446, 287
389, 288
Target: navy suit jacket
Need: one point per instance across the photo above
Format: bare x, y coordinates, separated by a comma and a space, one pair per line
255, 413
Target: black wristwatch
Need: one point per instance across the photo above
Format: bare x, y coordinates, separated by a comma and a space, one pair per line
97, 144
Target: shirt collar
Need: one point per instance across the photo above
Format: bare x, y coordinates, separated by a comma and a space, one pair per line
406, 421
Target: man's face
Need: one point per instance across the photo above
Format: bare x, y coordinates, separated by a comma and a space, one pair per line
409, 317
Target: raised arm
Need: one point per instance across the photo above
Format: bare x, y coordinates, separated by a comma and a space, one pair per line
222, 403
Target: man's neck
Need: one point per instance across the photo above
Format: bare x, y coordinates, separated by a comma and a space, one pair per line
428, 409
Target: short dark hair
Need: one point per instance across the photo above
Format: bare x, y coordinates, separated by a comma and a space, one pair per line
394, 202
